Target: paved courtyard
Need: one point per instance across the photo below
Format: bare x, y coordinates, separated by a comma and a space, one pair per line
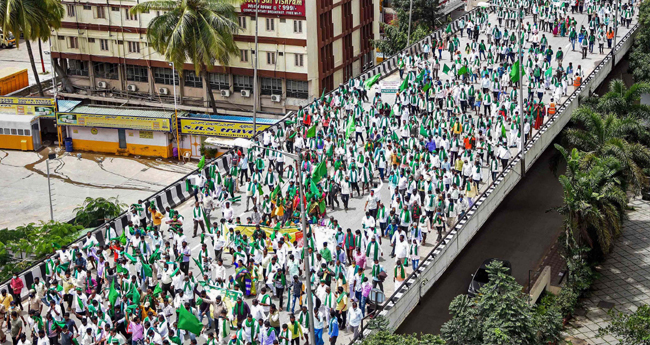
624, 284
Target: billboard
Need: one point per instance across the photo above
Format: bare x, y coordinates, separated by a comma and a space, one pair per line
27, 106
215, 128
294, 8
113, 121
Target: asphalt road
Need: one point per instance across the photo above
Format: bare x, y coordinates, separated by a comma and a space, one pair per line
520, 231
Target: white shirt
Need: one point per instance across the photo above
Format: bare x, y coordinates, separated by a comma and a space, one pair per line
43, 341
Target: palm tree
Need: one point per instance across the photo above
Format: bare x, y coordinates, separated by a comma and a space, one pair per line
34, 19
201, 31
624, 101
594, 199
608, 136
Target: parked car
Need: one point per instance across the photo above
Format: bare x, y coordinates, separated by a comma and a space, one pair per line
7, 41
480, 277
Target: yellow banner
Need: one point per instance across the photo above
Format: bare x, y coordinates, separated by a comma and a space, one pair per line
27, 106
113, 121
216, 128
293, 232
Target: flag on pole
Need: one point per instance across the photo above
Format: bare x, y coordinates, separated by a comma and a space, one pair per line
420, 76
448, 29
113, 294
322, 96
311, 132
320, 172
463, 70
370, 82
188, 321
445, 69
426, 87
201, 163
350, 128
514, 74
548, 73
405, 84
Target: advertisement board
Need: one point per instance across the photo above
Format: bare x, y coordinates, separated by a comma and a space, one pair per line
217, 128
293, 8
27, 106
113, 121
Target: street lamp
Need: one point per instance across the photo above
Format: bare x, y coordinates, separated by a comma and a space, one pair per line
408, 38
178, 145
248, 144
49, 188
521, 80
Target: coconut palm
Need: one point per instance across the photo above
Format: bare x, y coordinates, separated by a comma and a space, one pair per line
623, 101
594, 200
34, 19
200, 31
608, 136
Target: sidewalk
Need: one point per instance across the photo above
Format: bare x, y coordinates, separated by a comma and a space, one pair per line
625, 279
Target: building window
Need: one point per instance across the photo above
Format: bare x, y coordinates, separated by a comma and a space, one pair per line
71, 11
297, 89
242, 82
105, 70
270, 24
73, 42
134, 47
91, 40
103, 44
193, 80
297, 26
243, 53
242, 22
137, 73
164, 76
270, 58
219, 81
28, 133
130, 16
115, 9
21, 131
61, 38
271, 86
14, 131
300, 60
87, 7
100, 12
77, 67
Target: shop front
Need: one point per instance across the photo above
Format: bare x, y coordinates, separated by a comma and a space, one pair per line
196, 128
43, 109
119, 131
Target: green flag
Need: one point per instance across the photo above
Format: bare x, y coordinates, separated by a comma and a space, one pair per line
275, 191
514, 74
188, 321
148, 272
462, 70
445, 69
419, 77
320, 172
113, 294
157, 290
313, 188
201, 163
351, 126
448, 29
370, 82
322, 96
426, 87
311, 132
405, 84
549, 72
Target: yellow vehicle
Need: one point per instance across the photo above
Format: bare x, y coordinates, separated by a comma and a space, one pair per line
7, 41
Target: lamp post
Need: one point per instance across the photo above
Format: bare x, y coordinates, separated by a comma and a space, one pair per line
49, 188
178, 142
257, 24
520, 100
248, 144
408, 38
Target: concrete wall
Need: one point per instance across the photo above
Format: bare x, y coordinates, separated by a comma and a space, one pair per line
106, 140
399, 306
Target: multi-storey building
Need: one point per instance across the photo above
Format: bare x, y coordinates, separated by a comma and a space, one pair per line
305, 47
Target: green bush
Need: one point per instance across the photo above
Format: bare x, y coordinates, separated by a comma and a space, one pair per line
389, 338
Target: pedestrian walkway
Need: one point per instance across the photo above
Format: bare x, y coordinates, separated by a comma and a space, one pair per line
624, 284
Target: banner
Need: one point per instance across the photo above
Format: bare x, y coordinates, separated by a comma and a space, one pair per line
114, 121
27, 106
294, 8
293, 232
216, 128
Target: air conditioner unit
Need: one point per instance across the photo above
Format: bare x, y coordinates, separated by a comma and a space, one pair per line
276, 98
225, 93
102, 85
163, 91
132, 87
246, 93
